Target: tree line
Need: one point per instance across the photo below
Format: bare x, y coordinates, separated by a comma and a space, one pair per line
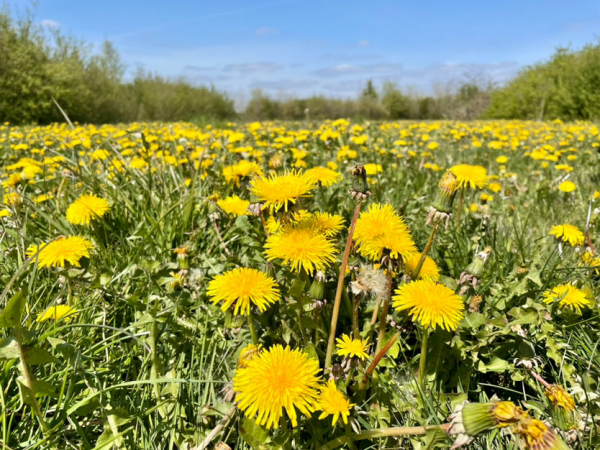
40, 68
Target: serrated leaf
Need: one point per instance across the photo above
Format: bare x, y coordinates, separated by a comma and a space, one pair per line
473, 321
11, 316
38, 356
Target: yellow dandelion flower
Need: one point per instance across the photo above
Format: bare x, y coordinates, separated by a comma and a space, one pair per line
322, 222
559, 396
42, 198
353, 348
302, 248
234, 205
279, 190
537, 436
242, 170
495, 187
242, 287
567, 186
381, 229
13, 181
57, 312
568, 295
87, 208
277, 378
467, 176
502, 159
431, 304
568, 233
13, 199
70, 250
429, 271
5, 213
333, 402
323, 175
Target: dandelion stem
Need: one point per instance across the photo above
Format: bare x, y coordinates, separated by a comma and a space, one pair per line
225, 249
540, 379
349, 437
426, 251
384, 432
376, 360
252, 328
385, 310
460, 208
29, 382
340, 287
423, 355
355, 329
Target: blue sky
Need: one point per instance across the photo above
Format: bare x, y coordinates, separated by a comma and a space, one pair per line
292, 47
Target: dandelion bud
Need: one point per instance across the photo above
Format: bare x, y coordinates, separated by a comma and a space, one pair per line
473, 419
317, 288
472, 274
360, 187
183, 257
446, 193
559, 396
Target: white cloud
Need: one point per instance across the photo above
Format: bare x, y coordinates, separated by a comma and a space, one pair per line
49, 23
363, 43
350, 69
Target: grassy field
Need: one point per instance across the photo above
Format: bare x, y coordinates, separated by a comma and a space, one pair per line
130, 322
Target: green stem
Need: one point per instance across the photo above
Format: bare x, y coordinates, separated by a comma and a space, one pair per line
385, 310
288, 442
340, 287
384, 432
252, 328
460, 208
419, 266
29, 382
355, 305
423, 355
350, 437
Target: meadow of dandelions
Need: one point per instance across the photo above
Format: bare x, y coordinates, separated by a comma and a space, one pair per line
300, 286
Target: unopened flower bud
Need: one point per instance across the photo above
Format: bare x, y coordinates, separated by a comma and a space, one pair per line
360, 187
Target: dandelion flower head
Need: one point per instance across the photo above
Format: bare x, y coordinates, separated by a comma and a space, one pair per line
333, 402
242, 287
274, 380
278, 191
381, 229
87, 208
60, 251
568, 233
431, 304
568, 296
467, 176
353, 348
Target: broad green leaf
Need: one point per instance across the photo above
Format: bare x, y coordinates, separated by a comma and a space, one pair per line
495, 365
254, 435
42, 389
11, 316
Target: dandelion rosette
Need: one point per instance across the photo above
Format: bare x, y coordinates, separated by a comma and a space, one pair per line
242, 287
429, 303
87, 208
274, 380
381, 230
